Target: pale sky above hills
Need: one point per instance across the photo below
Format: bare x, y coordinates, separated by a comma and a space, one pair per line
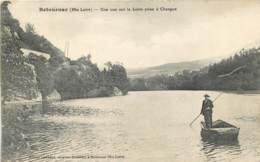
197, 30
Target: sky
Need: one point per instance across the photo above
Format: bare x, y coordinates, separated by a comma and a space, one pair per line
196, 30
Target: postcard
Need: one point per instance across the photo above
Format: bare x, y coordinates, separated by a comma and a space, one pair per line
130, 81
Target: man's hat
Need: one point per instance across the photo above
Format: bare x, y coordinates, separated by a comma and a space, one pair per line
206, 95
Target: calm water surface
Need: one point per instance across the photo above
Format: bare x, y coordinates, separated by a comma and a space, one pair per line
145, 127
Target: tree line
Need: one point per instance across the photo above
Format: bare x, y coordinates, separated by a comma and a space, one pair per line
238, 72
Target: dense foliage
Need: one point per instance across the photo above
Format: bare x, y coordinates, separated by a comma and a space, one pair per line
36, 73
81, 78
239, 72
17, 76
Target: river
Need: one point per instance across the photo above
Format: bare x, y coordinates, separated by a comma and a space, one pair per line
148, 126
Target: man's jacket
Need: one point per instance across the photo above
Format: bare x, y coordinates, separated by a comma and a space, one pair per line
207, 105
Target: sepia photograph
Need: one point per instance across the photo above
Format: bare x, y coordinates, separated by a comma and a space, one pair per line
130, 81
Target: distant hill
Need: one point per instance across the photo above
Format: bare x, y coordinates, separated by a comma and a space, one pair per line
170, 68
240, 71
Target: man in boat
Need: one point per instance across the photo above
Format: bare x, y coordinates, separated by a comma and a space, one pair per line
206, 111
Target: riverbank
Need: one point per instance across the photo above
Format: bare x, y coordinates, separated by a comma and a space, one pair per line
22, 119
16, 123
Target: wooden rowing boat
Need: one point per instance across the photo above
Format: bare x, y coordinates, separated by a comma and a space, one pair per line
220, 130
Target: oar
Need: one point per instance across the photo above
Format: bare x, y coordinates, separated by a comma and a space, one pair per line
217, 97
194, 119
200, 114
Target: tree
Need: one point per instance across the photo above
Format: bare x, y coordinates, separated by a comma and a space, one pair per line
68, 83
138, 84
119, 77
29, 28
44, 78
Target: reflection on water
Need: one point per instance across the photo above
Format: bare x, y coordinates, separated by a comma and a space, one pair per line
214, 149
77, 133
143, 127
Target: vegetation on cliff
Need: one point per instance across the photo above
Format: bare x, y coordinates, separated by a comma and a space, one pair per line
26, 76
82, 79
17, 76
